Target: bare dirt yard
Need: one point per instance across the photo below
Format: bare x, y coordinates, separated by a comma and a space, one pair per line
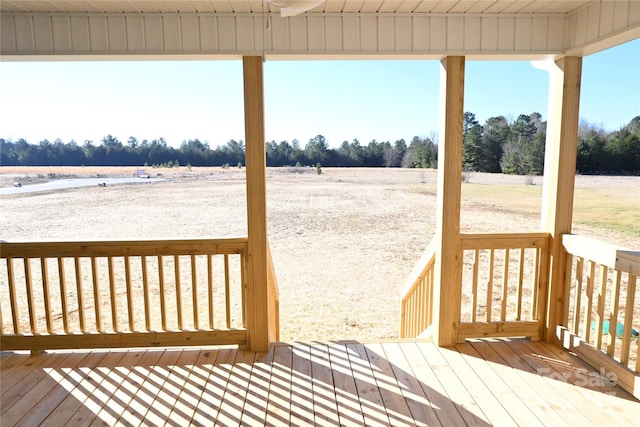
343, 242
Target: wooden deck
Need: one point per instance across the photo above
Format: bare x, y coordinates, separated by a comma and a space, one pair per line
491, 382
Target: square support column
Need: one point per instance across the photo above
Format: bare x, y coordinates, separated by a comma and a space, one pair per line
256, 280
559, 179
448, 267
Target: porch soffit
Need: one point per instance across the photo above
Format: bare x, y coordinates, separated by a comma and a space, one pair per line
517, 29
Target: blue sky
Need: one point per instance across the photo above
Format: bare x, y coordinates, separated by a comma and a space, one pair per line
342, 100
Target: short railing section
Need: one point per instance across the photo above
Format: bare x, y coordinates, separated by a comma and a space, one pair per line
504, 281
104, 294
602, 308
416, 311
273, 295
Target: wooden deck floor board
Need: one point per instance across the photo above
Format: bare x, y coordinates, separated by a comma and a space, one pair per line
55, 395
417, 401
499, 386
521, 389
189, 396
128, 389
301, 388
37, 401
567, 372
403, 383
348, 406
394, 402
209, 404
81, 386
368, 392
471, 413
571, 411
480, 391
279, 403
446, 409
325, 408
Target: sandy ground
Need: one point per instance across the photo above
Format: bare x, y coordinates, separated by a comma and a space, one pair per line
343, 242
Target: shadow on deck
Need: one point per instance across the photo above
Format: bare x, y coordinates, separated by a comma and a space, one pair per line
481, 382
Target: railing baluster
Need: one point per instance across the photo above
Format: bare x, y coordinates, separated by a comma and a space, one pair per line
80, 294
578, 297
163, 308
30, 302
431, 274
589, 312
520, 286
536, 285
628, 318
210, 290
145, 290
505, 285
113, 294
227, 290
63, 295
176, 270
15, 317
567, 290
490, 285
127, 280
194, 292
613, 315
474, 291
242, 292
600, 315
423, 313
96, 294
46, 295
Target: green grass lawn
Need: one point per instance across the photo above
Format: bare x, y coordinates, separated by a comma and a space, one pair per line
608, 208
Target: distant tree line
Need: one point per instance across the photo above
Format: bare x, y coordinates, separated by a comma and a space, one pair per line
496, 146
519, 147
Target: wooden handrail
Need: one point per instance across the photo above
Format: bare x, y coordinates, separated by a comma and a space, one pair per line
603, 253
600, 323
416, 314
109, 293
504, 280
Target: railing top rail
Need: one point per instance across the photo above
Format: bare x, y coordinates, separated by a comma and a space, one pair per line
419, 270
103, 248
606, 254
503, 240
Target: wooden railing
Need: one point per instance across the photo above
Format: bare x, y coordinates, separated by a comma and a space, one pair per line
503, 284
601, 320
273, 295
122, 293
417, 297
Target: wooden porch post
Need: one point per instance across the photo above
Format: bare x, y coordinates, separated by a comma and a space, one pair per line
559, 179
448, 267
256, 281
